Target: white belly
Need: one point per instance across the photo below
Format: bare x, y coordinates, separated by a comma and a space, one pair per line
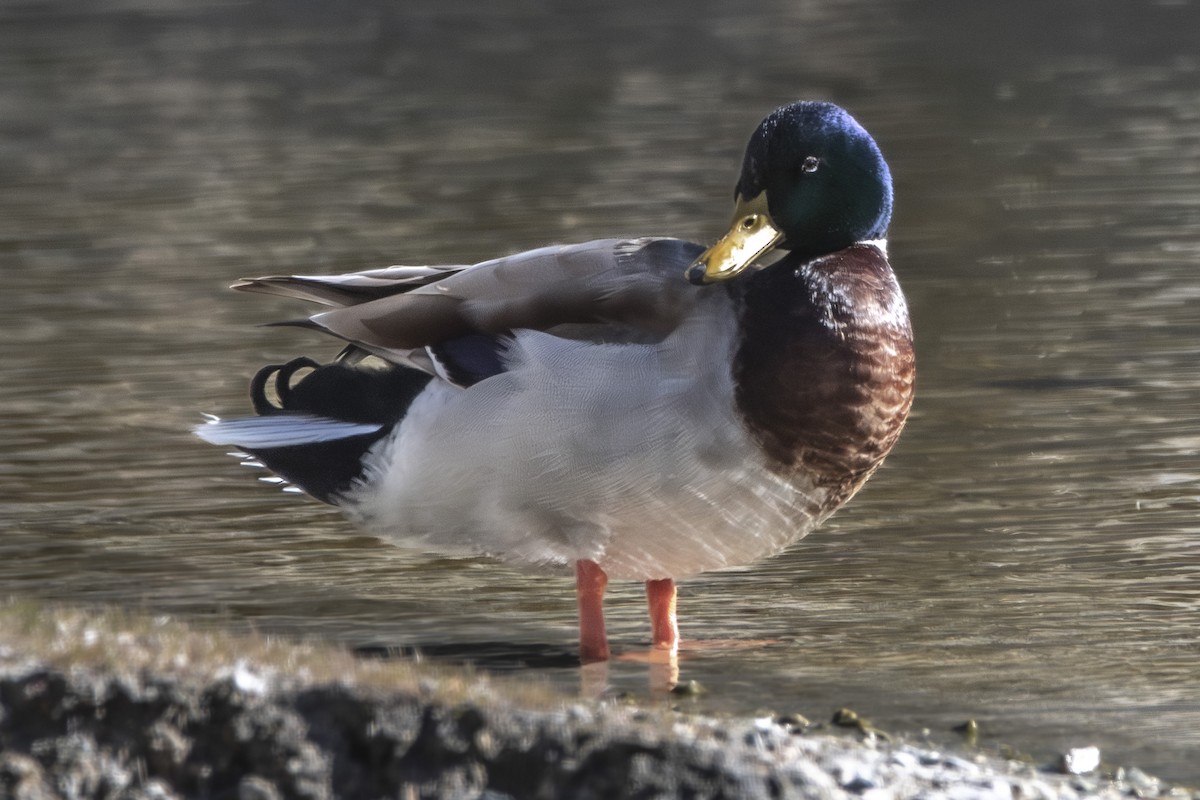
629, 455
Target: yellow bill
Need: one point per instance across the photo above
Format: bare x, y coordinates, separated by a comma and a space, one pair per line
751, 236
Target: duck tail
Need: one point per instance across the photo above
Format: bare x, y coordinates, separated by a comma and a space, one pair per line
313, 431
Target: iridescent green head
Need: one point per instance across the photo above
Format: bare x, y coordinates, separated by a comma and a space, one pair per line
813, 182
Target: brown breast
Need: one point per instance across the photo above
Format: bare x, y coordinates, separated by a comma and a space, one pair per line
825, 367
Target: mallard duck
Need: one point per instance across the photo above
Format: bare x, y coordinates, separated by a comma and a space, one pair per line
641, 409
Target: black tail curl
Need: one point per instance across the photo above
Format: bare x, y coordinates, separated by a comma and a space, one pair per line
282, 384
338, 391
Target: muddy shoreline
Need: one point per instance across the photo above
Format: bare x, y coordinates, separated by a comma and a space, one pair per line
148, 709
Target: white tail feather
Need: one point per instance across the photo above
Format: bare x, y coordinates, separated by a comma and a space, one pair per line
280, 430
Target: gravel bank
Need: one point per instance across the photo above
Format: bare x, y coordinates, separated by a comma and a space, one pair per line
104, 705
86, 733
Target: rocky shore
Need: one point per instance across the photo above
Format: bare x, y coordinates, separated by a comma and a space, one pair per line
148, 711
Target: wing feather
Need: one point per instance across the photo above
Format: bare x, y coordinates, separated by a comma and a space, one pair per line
630, 284
348, 289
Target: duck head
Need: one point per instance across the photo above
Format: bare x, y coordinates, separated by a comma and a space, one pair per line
813, 182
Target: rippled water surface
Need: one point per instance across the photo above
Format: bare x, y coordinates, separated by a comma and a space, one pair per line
1030, 555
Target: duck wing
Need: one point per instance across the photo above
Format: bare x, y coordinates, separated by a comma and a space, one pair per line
348, 289
614, 289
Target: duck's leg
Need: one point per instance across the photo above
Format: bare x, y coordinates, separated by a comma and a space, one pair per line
590, 583
664, 630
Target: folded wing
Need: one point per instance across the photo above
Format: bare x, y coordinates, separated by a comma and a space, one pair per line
612, 287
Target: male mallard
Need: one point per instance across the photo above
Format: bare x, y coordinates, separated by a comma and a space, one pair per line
643, 409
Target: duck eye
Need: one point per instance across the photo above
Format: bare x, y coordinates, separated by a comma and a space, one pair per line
810, 164
749, 222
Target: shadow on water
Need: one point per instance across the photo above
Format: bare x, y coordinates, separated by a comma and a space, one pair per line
500, 656
1029, 556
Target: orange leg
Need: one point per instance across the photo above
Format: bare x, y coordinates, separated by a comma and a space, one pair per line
590, 583
660, 597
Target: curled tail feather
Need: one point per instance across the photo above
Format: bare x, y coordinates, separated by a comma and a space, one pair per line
314, 431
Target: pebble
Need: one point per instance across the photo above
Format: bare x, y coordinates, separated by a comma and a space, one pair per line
688, 689
855, 776
962, 764
1143, 785
246, 680
1079, 760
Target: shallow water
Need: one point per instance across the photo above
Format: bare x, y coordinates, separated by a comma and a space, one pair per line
1030, 555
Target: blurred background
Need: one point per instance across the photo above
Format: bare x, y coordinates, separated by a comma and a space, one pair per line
1030, 555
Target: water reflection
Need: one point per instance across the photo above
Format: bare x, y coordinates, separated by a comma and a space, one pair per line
1029, 556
